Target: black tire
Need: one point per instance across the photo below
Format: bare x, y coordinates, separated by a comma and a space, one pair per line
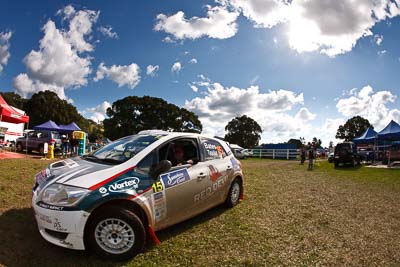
235, 191
336, 164
19, 147
41, 150
121, 217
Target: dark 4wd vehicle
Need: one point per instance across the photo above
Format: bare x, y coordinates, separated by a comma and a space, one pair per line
35, 141
346, 153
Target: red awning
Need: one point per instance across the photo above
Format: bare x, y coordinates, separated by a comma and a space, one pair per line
9, 114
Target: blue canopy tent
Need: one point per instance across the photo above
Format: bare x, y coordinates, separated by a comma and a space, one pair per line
391, 131
367, 137
69, 128
49, 125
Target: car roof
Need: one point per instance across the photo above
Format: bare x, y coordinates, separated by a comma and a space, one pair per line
171, 135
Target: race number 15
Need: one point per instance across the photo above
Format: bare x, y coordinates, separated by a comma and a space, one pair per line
157, 187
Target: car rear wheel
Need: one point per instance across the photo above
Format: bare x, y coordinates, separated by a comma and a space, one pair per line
41, 150
116, 234
235, 191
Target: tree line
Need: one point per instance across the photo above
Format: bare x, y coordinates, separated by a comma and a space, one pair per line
133, 114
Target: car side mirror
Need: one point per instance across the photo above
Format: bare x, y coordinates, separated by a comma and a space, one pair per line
160, 168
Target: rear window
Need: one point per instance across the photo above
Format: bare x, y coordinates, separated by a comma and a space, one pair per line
212, 149
342, 146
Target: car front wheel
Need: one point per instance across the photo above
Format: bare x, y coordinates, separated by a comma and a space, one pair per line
116, 234
235, 191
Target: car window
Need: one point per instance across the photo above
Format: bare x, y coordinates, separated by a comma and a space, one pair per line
180, 151
123, 149
147, 163
212, 149
44, 135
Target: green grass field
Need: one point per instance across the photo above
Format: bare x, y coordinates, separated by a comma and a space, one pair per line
290, 216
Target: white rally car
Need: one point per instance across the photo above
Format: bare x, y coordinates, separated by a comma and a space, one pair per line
113, 200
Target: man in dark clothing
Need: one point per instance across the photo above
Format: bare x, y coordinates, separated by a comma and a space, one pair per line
310, 158
303, 156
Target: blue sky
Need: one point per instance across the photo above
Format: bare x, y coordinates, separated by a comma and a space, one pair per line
299, 68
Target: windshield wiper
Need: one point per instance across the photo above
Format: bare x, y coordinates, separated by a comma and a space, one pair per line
102, 160
109, 160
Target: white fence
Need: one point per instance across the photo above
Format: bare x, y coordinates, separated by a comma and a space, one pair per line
275, 153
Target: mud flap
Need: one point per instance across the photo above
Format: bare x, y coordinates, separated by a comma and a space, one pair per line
153, 236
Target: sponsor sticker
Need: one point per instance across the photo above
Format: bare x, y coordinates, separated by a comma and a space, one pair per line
126, 185
214, 173
175, 178
210, 190
159, 206
44, 218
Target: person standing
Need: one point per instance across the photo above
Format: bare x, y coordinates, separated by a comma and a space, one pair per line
64, 145
302, 156
310, 158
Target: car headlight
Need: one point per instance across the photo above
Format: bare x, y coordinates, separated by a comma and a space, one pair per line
63, 195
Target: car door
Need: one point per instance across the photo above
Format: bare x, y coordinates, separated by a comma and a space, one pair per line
182, 183
220, 172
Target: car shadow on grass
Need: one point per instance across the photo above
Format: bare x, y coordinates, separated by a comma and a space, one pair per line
184, 226
22, 245
348, 167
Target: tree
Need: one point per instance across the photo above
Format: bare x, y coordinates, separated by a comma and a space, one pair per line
243, 131
133, 114
353, 127
297, 142
44, 106
14, 100
316, 142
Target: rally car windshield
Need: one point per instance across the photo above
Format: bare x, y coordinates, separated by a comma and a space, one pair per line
123, 149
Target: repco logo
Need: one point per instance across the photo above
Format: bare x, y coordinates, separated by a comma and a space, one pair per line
124, 184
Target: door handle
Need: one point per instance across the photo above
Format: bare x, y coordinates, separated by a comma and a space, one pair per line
201, 176
228, 168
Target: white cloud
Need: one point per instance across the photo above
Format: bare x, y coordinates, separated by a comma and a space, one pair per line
128, 75
329, 27
220, 104
169, 40
4, 48
305, 115
267, 13
97, 113
382, 52
194, 88
327, 131
325, 26
378, 39
59, 63
26, 86
176, 67
152, 70
108, 32
370, 105
193, 61
333, 27
80, 25
220, 23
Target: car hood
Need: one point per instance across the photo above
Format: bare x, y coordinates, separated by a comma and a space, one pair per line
67, 170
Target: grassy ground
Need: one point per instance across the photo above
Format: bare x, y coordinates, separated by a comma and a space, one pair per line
290, 216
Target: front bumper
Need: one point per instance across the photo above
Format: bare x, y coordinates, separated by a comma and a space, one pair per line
62, 228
